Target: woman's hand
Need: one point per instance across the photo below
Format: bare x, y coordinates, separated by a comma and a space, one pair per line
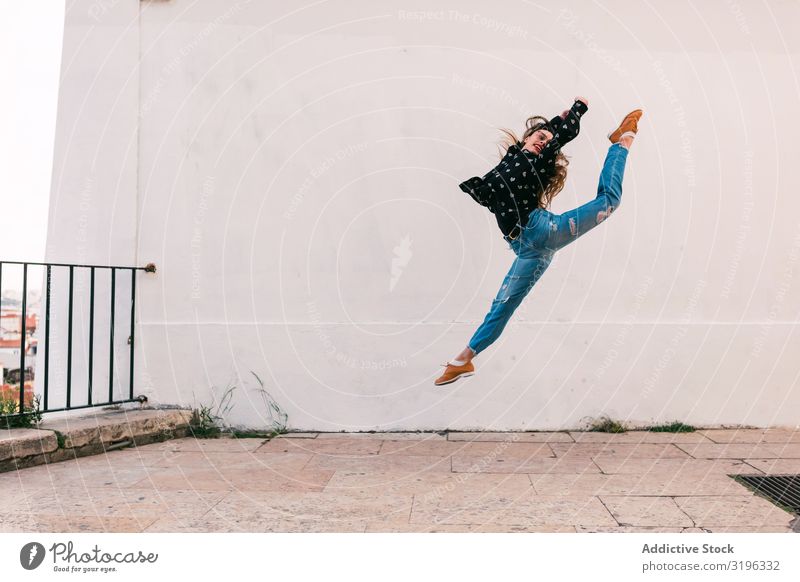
581, 99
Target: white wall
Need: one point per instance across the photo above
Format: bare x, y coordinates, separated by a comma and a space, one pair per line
286, 154
93, 201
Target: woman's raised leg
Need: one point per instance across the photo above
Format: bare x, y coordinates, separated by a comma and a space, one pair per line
569, 226
518, 282
521, 277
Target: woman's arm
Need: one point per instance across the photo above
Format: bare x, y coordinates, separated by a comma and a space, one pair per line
565, 128
568, 124
542, 165
556, 120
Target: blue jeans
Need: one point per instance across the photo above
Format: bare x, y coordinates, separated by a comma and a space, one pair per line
538, 241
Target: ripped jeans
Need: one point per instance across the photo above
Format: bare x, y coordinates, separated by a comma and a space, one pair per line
544, 234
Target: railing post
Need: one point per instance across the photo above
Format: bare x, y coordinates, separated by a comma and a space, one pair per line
133, 313
23, 330
69, 339
91, 331
47, 335
111, 334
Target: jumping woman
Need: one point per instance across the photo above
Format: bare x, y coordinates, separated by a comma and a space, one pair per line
518, 192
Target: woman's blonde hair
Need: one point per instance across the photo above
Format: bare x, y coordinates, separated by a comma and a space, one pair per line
556, 181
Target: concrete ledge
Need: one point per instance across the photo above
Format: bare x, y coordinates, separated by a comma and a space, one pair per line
91, 434
26, 442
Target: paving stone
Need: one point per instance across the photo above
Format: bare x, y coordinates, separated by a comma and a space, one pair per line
380, 463
190, 525
166, 455
119, 502
639, 437
629, 529
785, 450
756, 529
529, 510
731, 436
612, 465
92, 523
378, 527
220, 445
630, 451
297, 435
324, 446
777, 435
304, 526
57, 523
731, 451
381, 527
251, 524
253, 479
37, 476
387, 436
111, 470
172, 446
125, 478
470, 464
776, 466
519, 437
513, 528
257, 459
312, 507
733, 511
428, 484
128, 458
646, 511
59, 475
25, 502
475, 449
654, 484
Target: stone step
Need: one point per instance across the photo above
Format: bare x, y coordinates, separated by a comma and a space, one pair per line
92, 433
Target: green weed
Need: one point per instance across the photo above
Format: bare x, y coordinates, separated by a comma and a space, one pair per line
605, 424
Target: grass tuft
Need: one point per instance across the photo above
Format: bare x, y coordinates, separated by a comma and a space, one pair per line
207, 423
672, 427
606, 424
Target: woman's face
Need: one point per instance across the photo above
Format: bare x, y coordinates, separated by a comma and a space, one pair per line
537, 140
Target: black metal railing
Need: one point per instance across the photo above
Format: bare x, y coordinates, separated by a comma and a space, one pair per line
90, 400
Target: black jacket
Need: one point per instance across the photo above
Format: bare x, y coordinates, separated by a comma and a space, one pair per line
512, 189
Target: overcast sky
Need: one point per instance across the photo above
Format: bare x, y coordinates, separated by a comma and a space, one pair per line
31, 32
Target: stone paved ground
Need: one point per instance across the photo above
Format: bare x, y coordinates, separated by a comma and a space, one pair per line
412, 482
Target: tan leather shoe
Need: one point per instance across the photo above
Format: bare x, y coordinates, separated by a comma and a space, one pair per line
453, 373
629, 124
